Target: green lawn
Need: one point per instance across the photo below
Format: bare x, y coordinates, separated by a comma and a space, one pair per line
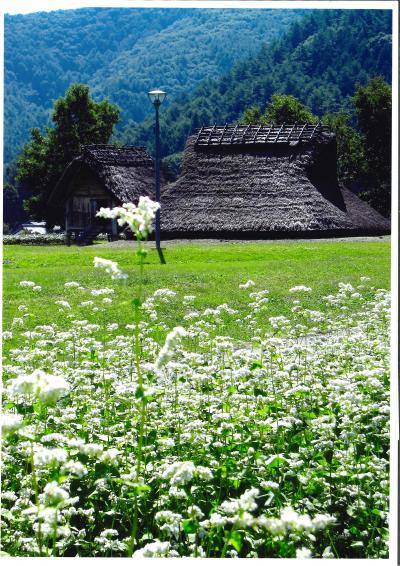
211, 272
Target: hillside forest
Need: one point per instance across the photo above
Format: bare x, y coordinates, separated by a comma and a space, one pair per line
336, 64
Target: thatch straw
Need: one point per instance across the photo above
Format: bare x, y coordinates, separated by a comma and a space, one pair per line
127, 173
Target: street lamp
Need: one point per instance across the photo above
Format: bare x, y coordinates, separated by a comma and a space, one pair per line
157, 97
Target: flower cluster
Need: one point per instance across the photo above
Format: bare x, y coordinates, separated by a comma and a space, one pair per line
139, 218
275, 445
172, 340
39, 385
110, 267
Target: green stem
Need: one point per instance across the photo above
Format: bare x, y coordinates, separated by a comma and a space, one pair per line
36, 490
142, 418
55, 536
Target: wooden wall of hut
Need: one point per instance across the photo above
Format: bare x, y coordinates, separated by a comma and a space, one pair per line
87, 196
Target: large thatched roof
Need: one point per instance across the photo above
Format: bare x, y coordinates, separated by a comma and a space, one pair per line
259, 187
126, 172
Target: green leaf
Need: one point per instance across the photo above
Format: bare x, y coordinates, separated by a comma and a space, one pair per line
139, 393
189, 526
275, 462
235, 539
236, 483
255, 365
138, 487
377, 512
357, 544
261, 392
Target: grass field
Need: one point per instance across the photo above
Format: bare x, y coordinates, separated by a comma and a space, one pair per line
168, 436
211, 272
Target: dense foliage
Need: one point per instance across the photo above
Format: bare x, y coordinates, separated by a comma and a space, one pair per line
121, 54
282, 109
78, 121
373, 104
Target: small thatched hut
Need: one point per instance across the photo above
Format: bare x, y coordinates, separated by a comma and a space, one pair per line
264, 181
102, 176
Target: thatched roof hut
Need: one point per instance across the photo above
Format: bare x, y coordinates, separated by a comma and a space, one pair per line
125, 172
263, 181
102, 176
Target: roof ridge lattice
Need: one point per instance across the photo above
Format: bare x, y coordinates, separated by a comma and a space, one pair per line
245, 134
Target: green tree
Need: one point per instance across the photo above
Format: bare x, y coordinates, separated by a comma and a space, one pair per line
252, 115
79, 120
282, 108
373, 103
13, 212
285, 108
350, 147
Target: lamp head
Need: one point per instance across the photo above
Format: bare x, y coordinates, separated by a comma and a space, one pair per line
157, 96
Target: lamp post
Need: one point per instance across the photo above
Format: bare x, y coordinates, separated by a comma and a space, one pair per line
157, 97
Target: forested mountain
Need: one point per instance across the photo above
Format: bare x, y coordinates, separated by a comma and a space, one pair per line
121, 54
319, 60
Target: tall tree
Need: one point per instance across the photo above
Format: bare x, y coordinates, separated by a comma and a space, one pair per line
350, 147
373, 103
79, 120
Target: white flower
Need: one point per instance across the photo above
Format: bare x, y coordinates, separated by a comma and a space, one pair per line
328, 553
269, 484
204, 473
216, 519
48, 388
49, 456
37, 288
303, 553
153, 549
54, 494
10, 422
110, 267
247, 285
110, 456
172, 340
181, 473
93, 449
27, 284
163, 295
76, 468
104, 291
139, 218
195, 511
109, 533
71, 284
300, 289
64, 304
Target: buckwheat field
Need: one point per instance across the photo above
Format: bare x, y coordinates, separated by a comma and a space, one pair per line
119, 444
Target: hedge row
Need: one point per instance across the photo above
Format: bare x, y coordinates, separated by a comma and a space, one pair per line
41, 239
